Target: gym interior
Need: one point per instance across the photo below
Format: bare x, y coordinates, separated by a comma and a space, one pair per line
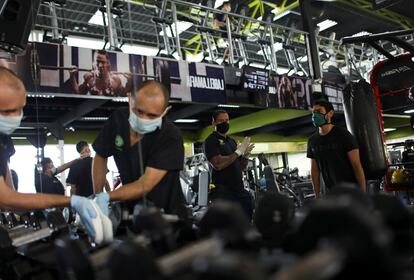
286, 139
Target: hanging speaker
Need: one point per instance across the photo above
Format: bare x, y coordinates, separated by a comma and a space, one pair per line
16, 21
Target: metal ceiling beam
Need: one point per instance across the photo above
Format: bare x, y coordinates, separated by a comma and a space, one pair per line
82, 109
189, 111
255, 120
384, 14
257, 9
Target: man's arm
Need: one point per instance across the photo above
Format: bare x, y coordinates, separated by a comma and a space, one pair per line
138, 188
315, 175
220, 162
65, 166
353, 157
73, 82
99, 167
9, 199
107, 187
73, 189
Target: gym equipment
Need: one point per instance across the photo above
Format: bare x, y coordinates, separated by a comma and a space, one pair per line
195, 179
399, 219
361, 117
272, 217
391, 81
40, 227
349, 227
224, 224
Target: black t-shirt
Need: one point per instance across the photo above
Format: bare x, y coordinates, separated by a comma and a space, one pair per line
6, 151
50, 185
231, 176
80, 174
162, 149
408, 156
330, 151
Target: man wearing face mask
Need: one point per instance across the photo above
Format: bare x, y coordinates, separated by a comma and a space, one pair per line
12, 101
333, 152
228, 159
46, 182
141, 131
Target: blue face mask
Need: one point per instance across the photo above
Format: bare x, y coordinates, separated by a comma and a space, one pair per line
9, 124
143, 126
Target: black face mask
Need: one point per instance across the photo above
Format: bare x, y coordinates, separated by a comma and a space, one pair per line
223, 127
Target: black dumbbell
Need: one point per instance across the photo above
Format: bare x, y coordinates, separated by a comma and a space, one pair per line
339, 222
224, 224
273, 216
45, 227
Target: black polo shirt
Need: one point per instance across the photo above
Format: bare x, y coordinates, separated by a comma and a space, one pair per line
162, 149
6, 151
330, 152
80, 174
231, 176
50, 185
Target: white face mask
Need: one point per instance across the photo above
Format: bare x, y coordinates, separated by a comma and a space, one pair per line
9, 124
143, 126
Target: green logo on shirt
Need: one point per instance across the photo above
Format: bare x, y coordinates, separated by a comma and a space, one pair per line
119, 142
221, 142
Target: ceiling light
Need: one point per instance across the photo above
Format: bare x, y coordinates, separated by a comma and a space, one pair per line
228, 106
48, 134
409, 111
97, 18
84, 42
186, 121
327, 23
361, 33
94, 118
18, 138
181, 26
389, 129
120, 99
143, 50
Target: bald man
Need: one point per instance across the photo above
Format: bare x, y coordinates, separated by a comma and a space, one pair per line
12, 101
161, 150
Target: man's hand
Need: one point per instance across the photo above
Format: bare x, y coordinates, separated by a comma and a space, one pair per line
242, 148
249, 150
74, 71
102, 199
86, 211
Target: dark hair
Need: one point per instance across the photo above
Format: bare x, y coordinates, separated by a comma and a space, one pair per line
325, 104
218, 112
103, 52
157, 85
80, 145
45, 161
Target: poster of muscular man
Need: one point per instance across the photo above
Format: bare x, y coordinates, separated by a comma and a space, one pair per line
101, 80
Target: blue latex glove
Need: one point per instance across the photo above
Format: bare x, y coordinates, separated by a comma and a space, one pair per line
102, 199
84, 207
